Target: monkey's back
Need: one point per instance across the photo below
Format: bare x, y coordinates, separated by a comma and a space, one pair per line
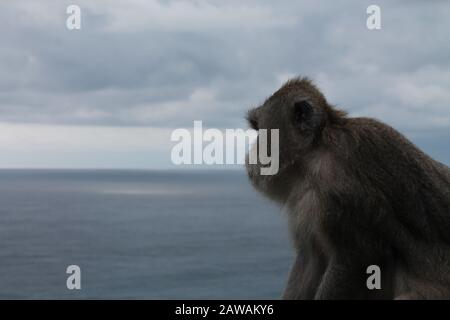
413, 192
407, 175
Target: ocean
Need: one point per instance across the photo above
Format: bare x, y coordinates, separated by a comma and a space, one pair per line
137, 234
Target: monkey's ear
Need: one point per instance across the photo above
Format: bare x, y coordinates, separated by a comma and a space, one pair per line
303, 111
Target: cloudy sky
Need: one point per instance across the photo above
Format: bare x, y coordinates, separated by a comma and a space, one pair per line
110, 94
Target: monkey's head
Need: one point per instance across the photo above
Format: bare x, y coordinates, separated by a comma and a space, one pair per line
301, 113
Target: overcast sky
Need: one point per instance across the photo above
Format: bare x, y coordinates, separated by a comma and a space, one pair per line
110, 94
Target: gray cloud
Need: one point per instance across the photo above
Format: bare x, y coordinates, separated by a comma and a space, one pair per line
164, 64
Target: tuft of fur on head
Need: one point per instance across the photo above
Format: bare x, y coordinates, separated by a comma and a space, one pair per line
307, 87
304, 84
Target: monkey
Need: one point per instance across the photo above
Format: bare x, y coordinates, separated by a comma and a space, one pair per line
356, 193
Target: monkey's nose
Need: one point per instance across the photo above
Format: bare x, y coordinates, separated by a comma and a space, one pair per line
252, 119
254, 124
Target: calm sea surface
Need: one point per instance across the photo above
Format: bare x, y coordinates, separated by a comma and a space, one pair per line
139, 234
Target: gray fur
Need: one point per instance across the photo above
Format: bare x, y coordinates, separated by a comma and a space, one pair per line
357, 193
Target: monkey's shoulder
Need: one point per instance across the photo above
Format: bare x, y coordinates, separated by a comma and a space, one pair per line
378, 144
376, 157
